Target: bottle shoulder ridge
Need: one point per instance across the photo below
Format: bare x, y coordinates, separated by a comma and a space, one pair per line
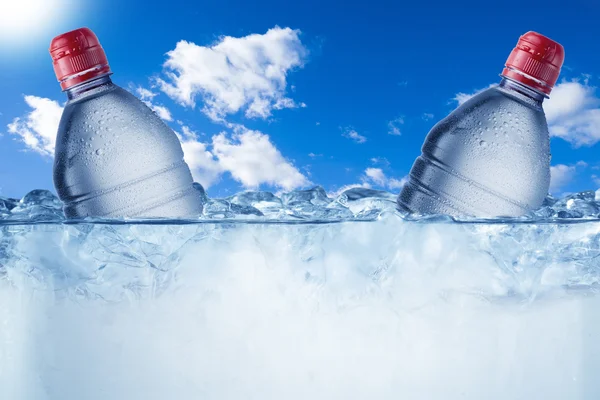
103, 92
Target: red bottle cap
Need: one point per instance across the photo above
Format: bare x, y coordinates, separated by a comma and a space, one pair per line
535, 62
77, 57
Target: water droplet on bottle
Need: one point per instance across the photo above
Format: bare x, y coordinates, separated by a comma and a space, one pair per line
482, 143
99, 152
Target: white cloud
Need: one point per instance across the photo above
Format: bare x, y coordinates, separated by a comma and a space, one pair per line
162, 112
561, 175
204, 167
377, 177
460, 98
427, 116
248, 155
146, 96
247, 73
573, 113
318, 123
313, 155
380, 160
39, 127
252, 160
394, 183
394, 126
353, 135
596, 179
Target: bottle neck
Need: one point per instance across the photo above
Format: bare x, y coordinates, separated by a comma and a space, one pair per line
514, 86
84, 87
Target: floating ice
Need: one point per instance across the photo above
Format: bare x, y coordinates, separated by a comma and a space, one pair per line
300, 296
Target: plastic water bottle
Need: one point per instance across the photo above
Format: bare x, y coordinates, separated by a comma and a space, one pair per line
114, 157
491, 156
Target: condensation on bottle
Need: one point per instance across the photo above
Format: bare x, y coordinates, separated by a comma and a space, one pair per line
491, 156
114, 156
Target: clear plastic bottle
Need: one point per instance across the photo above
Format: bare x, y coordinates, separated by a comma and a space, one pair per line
114, 157
491, 156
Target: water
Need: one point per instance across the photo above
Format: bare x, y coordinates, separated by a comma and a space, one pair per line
490, 157
300, 296
115, 158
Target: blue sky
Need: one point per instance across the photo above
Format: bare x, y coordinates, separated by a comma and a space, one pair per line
323, 92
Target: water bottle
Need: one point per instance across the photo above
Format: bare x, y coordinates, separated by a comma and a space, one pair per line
114, 157
491, 156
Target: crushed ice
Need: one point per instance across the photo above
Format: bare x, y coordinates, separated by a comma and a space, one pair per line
300, 296
312, 205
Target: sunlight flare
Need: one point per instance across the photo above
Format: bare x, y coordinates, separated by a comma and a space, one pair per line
25, 19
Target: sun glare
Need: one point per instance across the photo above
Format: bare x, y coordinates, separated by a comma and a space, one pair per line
22, 20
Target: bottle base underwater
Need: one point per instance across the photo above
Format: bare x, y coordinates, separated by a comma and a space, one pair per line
418, 195
169, 196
